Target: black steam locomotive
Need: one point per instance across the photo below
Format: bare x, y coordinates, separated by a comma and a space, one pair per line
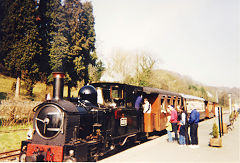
83, 128
103, 117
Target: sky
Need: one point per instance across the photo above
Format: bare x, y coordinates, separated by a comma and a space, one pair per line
197, 38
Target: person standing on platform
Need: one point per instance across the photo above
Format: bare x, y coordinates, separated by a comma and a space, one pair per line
139, 111
173, 120
193, 121
169, 129
185, 122
138, 102
181, 131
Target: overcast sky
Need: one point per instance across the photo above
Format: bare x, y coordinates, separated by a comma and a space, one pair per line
198, 38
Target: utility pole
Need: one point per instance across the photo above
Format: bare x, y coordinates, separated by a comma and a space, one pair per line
230, 102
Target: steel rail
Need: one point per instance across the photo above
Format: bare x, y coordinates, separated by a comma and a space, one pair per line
8, 154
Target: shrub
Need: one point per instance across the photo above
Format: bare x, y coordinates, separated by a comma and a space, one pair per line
215, 130
16, 112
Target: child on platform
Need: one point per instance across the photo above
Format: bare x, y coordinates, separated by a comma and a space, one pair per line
182, 133
169, 129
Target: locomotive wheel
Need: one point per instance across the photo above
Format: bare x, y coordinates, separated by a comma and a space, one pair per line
22, 157
23, 154
93, 154
70, 159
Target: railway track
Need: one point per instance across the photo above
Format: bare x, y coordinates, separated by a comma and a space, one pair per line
10, 131
9, 154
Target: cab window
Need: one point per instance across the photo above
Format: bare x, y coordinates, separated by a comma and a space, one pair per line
117, 93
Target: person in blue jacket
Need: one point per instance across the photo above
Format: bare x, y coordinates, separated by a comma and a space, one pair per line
193, 121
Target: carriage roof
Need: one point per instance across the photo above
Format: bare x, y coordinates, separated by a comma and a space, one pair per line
147, 90
150, 90
191, 97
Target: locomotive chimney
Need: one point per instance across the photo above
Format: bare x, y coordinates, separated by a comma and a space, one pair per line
58, 85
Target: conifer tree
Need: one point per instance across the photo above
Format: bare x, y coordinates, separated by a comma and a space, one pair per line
4, 6
7, 27
21, 41
74, 11
43, 17
81, 39
89, 38
59, 43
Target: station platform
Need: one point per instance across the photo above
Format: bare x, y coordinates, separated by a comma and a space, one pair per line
159, 150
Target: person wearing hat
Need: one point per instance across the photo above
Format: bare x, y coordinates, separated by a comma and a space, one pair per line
173, 120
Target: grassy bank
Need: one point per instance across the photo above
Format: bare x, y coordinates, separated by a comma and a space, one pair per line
11, 137
40, 90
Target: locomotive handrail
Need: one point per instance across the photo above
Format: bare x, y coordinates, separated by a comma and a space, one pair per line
124, 141
53, 129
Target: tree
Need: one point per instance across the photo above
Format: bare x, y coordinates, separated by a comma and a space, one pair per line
43, 22
95, 72
58, 41
7, 27
203, 93
40, 36
87, 23
4, 42
131, 68
21, 41
121, 66
144, 71
81, 40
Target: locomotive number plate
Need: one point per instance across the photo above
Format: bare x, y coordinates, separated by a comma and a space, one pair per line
123, 121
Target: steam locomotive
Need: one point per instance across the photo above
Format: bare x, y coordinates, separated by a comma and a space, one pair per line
102, 118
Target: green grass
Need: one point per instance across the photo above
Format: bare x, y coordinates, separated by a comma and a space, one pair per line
15, 127
5, 86
12, 140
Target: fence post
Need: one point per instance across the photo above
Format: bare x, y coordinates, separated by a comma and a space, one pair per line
219, 122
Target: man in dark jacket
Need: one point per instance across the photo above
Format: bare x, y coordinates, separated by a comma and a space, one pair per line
193, 121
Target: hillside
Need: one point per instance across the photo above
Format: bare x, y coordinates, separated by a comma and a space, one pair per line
183, 84
163, 79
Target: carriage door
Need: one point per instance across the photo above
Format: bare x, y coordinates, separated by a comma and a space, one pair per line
149, 118
156, 112
164, 113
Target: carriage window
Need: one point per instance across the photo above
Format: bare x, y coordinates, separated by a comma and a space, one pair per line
117, 93
179, 102
163, 108
168, 101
